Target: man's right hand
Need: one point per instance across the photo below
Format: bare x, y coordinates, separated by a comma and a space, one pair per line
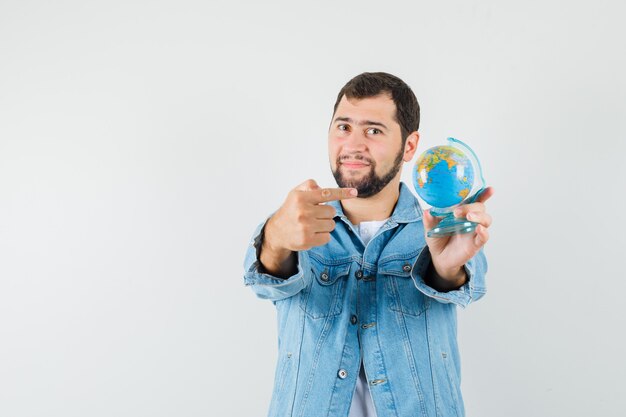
302, 222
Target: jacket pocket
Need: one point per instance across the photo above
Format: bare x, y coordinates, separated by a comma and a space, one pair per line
453, 382
324, 296
281, 382
285, 365
402, 294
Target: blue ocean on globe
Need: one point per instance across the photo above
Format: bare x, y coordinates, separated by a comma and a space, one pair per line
443, 176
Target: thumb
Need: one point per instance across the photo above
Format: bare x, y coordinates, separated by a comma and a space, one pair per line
308, 185
430, 221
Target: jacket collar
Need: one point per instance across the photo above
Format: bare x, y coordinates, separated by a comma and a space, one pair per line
407, 208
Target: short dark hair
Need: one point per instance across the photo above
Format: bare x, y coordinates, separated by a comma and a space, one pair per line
370, 84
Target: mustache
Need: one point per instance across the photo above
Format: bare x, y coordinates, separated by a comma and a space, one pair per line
357, 157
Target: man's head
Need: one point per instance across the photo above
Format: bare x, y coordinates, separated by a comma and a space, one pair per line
373, 130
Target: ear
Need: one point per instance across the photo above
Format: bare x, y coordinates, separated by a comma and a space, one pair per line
410, 146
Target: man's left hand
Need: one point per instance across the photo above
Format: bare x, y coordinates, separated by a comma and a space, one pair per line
450, 253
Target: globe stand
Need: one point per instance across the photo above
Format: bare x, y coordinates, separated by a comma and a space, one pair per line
451, 225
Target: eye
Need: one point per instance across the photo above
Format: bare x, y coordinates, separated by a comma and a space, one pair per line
374, 131
343, 127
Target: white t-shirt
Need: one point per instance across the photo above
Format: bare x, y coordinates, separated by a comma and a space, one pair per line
362, 404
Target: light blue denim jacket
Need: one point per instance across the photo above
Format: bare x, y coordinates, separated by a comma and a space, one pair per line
348, 302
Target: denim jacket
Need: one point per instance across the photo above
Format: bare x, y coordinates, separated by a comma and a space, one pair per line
348, 302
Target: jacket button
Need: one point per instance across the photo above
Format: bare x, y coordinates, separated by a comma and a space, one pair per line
406, 268
358, 274
342, 373
353, 319
324, 276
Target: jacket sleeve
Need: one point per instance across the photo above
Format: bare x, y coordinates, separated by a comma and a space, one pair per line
473, 289
267, 286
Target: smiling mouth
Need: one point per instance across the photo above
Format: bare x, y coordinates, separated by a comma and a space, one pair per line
354, 164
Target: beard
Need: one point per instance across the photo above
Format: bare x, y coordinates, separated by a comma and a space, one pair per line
370, 183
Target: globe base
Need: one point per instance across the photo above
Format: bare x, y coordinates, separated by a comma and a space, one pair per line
451, 225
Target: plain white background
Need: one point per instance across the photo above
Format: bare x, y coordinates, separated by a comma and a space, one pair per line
142, 141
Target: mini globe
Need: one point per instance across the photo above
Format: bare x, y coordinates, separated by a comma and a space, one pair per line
445, 177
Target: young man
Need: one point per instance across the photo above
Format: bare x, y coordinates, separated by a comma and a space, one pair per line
366, 303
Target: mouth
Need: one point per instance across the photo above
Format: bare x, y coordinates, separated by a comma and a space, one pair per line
354, 164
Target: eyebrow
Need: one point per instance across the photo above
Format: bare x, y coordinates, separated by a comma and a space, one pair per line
361, 123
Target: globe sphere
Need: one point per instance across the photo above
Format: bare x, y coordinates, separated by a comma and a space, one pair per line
443, 176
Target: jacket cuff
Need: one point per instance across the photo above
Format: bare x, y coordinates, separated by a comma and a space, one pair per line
472, 290
268, 286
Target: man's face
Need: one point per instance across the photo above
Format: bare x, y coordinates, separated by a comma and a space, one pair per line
365, 144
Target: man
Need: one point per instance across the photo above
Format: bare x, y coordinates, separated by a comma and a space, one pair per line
366, 303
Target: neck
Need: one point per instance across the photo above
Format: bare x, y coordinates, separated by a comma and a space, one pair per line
376, 207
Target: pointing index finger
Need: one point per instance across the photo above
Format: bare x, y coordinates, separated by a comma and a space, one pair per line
331, 194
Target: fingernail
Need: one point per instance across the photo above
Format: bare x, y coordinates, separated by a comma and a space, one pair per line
353, 191
470, 216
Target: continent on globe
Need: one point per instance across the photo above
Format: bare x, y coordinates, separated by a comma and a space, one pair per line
444, 176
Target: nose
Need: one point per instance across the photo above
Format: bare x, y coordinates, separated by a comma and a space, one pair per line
355, 142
